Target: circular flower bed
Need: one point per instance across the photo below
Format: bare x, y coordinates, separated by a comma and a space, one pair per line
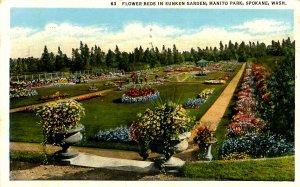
140, 95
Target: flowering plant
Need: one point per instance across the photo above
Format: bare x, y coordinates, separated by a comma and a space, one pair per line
119, 134
160, 130
166, 121
57, 95
204, 136
204, 95
193, 103
89, 96
140, 95
202, 98
21, 92
60, 117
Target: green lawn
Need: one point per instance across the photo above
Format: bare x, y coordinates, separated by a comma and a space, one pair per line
107, 112
271, 169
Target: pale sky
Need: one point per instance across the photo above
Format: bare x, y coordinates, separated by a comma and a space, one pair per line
33, 28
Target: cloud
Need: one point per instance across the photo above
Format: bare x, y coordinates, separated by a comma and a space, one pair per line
30, 41
263, 26
18, 32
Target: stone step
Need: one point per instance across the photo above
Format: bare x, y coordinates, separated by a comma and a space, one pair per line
88, 160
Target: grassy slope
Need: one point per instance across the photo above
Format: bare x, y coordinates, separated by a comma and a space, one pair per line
271, 169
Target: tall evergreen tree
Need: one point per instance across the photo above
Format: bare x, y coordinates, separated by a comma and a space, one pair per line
110, 59
45, 61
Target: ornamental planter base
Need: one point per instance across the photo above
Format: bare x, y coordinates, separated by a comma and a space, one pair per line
172, 165
167, 149
65, 140
65, 154
205, 152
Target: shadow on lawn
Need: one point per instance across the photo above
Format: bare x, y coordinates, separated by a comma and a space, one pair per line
119, 100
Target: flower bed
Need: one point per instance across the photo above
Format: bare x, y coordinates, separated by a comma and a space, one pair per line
86, 97
22, 92
247, 132
140, 95
57, 95
193, 103
119, 134
205, 94
257, 145
62, 84
215, 81
202, 98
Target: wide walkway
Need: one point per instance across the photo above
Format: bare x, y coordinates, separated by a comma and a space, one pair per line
59, 100
213, 116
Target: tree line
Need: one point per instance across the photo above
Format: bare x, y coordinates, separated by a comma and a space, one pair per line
86, 58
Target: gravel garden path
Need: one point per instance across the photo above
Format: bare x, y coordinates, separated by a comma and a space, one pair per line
213, 116
20, 170
60, 100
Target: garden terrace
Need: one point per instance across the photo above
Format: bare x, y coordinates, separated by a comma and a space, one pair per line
101, 111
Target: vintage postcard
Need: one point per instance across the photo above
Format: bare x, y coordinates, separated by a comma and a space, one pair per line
173, 92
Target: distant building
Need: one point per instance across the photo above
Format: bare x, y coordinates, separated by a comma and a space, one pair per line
202, 63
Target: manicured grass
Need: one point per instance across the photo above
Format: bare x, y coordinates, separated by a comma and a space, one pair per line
108, 112
213, 75
32, 157
271, 169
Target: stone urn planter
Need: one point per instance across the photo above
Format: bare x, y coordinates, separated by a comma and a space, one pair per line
61, 126
167, 149
163, 130
65, 139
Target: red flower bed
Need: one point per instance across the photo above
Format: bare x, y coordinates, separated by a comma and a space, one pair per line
140, 92
54, 96
246, 120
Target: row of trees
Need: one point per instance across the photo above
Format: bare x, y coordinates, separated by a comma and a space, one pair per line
83, 58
